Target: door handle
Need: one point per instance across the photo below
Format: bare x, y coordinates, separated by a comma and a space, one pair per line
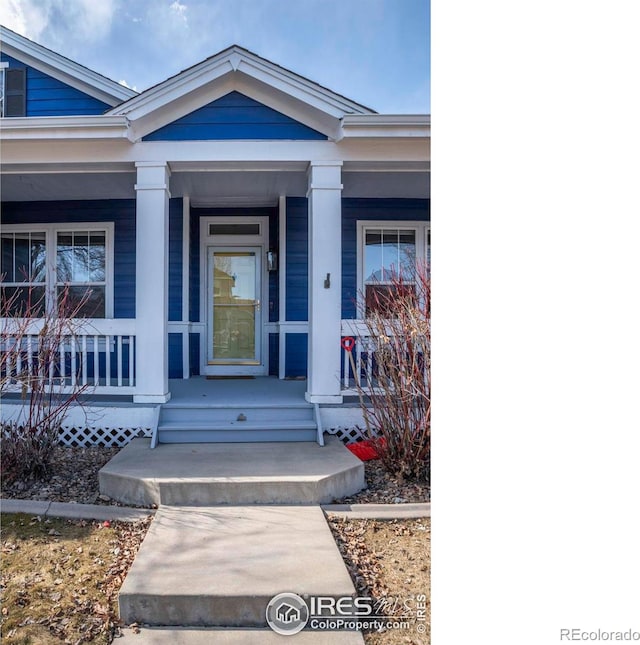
256, 304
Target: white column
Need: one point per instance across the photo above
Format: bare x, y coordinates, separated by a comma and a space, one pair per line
152, 282
325, 281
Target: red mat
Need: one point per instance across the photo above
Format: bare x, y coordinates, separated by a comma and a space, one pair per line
366, 450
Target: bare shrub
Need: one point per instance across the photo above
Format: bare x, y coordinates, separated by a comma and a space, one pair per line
34, 339
394, 382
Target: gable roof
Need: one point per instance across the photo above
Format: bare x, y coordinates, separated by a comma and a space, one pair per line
63, 69
238, 69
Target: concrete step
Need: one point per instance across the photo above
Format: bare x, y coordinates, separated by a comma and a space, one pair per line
221, 566
229, 414
227, 636
236, 431
202, 474
234, 435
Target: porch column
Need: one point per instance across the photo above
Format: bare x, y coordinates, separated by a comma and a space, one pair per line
325, 281
152, 282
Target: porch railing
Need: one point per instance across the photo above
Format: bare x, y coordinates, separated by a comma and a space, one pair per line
99, 356
359, 362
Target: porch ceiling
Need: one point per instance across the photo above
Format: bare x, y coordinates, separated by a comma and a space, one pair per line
214, 184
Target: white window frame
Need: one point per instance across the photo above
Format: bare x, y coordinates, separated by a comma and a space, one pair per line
3, 66
51, 236
420, 228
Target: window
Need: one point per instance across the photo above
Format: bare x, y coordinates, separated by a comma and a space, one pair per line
388, 251
13, 93
42, 266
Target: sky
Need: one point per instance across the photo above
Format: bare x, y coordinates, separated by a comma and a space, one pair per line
376, 52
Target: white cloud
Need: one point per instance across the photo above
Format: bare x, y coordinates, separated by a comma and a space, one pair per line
56, 22
179, 9
123, 82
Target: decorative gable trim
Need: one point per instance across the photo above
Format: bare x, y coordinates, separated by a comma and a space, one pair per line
237, 69
63, 69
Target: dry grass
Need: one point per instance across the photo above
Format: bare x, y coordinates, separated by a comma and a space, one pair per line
60, 578
390, 561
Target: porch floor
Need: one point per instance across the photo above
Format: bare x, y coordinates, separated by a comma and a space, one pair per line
260, 391
206, 474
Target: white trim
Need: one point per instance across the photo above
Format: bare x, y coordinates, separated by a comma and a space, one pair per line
63, 69
51, 229
420, 227
186, 213
64, 127
282, 282
230, 241
238, 60
228, 151
386, 125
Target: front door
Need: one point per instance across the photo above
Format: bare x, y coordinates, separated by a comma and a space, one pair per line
234, 310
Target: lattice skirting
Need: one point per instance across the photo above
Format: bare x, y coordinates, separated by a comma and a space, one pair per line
348, 435
110, 437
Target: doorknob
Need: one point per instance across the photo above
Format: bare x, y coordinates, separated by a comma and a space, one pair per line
256, 304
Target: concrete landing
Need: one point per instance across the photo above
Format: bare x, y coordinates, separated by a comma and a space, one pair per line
207, 474
221, 566
221, 636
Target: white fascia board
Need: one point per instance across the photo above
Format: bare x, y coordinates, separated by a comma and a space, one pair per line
172, 89
299, 87
231, 62
113, 150
63, 127
63, 69
386, 125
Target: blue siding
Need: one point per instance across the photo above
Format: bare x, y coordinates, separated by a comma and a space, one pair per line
194, 354
175, 259
175, 355
122, 212
274, 347
297, 298
296, 355
47, 96
369, 209
234, 116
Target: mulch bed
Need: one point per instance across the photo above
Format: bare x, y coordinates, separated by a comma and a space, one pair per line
74, 478
385, 488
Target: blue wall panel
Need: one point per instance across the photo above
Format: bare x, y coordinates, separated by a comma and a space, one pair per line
175, 259
274, 346
175, 355
296, 355
369, 209
297, 300
194, 354
47, 96
234, 116
120, 211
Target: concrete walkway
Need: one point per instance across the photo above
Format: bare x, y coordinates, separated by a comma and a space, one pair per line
220, 566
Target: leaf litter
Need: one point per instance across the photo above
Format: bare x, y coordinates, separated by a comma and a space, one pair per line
61, 585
